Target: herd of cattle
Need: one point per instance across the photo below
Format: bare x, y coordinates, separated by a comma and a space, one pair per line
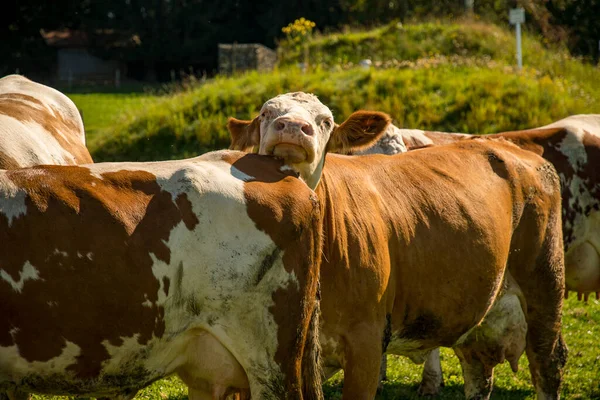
258, 275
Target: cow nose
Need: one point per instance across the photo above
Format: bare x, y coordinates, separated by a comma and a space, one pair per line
293, 124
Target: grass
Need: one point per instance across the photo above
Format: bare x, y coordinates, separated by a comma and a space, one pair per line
581, 329
102, 110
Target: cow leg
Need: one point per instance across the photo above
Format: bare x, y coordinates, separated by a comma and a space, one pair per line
478, 376
542, 283
363, 353
432, 379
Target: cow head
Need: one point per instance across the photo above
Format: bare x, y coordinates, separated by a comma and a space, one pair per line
300, 129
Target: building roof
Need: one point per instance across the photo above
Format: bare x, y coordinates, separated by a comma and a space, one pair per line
70, 38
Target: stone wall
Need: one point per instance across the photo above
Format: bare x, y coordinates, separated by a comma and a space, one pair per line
243, 57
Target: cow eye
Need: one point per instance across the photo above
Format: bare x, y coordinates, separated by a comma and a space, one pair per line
327, 123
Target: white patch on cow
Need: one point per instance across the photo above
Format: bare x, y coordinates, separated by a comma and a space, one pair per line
587, 122
12, 203
123, 354
31, 144
409, 348
582, 259
333, 354
236, 173
390, 143
572, 147
28, 273
53, 101
414, 137
62, 253
19, 367
147, 302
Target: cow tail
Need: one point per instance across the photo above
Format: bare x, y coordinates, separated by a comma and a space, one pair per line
312, 373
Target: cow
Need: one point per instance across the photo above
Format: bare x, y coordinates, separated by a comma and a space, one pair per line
38, 125
417, 246
114, 275
571, 145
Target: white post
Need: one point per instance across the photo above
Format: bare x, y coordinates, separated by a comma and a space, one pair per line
519, 52
516, 16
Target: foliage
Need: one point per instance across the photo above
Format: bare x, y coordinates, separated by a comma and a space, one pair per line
299, 30
182, 35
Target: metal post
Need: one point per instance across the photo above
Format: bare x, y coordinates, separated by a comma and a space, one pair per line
516, 16
519, 52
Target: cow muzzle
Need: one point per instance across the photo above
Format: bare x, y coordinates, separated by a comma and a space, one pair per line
291, 139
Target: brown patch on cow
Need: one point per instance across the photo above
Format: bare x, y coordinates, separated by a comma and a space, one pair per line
26, 108
119, 221
185, 207
283, 207
166, 285
7, 162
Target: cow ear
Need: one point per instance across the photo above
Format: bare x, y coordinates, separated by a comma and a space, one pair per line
360, 131
244, 134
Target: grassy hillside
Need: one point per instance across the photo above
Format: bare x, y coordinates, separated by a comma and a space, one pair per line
445, 77
398, 46
443, 96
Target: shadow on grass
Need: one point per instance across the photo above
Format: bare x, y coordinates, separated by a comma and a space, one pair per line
397, 390
176, 397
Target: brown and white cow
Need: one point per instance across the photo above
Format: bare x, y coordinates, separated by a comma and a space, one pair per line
572, 145
115, 275
417, 245
38, 125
